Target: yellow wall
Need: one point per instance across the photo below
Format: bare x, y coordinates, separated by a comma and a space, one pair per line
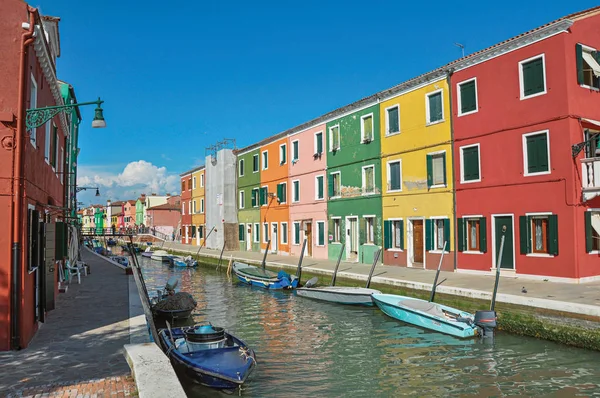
415, 140
198, 194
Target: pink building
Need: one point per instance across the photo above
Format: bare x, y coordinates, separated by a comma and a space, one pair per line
165, 217
129, 214
308, 192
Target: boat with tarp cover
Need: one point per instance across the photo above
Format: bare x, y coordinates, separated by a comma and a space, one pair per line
264, 278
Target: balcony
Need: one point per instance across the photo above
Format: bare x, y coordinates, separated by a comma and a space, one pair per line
590, 178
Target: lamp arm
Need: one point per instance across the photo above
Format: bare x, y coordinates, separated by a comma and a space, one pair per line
36, 117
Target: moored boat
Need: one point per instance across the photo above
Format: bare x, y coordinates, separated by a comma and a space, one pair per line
209, 355
185, 262
264, 278
160, 255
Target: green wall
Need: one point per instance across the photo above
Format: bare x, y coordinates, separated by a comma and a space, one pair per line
246, 183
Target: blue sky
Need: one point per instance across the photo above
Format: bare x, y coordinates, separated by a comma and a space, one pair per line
178, 76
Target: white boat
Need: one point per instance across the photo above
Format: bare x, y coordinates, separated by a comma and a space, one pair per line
161, 255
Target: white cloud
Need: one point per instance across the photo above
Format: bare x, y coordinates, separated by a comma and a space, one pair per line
136, 178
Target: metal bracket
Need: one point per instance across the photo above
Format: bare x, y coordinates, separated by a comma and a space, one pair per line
575, 149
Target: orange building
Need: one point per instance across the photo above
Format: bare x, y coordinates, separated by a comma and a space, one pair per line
273, 195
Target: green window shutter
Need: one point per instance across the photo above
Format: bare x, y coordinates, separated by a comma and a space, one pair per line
319, 143
279, 194
553, 234
429, 171
362, 238
284, 192
401, 234
447, 233
321, 233
579, 58
589, 236
537, 153
330, 185
295, 150
297, 233
263, 196
533, 77
254, 163
241, 232
471, 163
467, 97
320, 186
435, 107
524, 232
284, 154
428, 235
482, 235
375, 234
387, 234
460, 226
393, 124
253, 198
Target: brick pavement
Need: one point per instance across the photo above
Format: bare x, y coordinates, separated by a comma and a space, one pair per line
81, 341
123, 386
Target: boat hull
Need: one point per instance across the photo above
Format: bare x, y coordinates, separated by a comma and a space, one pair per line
339, 294
247, 274
392, 305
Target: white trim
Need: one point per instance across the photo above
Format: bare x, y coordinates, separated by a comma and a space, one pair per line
493, 217
282, 151
446, 167
387, 121
339, 172
241, 169
587, 49
274, 242
331, 137
286, 192
459, 97
297, 142
315, 142
262, 159
521, 87
388, 181
268, 232
462, 163
255, 237
427, 115
541, 213
193, 182
201, 180
434, 240
348, 235
410, 251
317, 186
362, 127
294, 192
201, 205
526, 160
316, 222
257, 197
294, 236
364, 188
286, 233
393, 248
257, 163
241, 200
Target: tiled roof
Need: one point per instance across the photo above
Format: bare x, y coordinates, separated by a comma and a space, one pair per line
165, 206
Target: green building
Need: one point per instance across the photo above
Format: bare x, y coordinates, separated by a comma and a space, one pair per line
248, 173
354, 185
99, 217
139, 211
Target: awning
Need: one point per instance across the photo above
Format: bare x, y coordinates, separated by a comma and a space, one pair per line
592, 63
590, 123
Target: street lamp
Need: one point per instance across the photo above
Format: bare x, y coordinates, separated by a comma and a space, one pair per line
79, 189
36, 117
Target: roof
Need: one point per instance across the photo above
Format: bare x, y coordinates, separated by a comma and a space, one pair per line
191, 171
131, 201
558, 25
165, 206
117, 203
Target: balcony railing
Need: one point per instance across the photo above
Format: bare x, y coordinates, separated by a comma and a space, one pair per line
590, 177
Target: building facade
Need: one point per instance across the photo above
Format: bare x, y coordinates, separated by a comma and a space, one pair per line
129, 213
186, 207
140, 203
248, 185
198, 206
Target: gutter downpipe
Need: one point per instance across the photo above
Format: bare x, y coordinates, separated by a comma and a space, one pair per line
16, 226
449, 73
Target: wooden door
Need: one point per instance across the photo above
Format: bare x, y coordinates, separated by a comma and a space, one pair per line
504, 224
417, 241
308, 237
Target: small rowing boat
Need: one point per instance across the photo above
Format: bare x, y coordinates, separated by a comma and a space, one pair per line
161, 255
264, 278
185, 262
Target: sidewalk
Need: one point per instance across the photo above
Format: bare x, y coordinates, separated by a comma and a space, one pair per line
567, 297
78, 351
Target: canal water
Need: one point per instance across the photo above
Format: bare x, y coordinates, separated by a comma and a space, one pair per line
310, 348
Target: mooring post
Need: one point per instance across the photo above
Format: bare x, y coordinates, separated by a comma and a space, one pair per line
299, 269
265, 256
221, 256
337, 265
498, 264
373, 267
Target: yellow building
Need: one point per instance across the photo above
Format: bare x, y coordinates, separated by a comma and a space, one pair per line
198, 207
417, 181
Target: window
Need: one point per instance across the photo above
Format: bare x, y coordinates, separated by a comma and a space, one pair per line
284, 233
437, 233
255, 165
368, 179
472, 234
369, 233
394, 176
183, 208
532, 77
318, 143
265, 160
262, 196
436, 170
295, 151
201, 180
295, 191
256, 233
334, 138
469, 164
182, 186
265, 232
335, 185
194, 182
539, 233
255, 197
34, 246
337, 230
282, 154
588, 67
202, 206
282, 192
48, 137
467, 97
592, 231
32, 105
241, 232
190, 207
194, 207
319, 189
366, 128
201, 231
241, 202
320, 233
241, 167
54, 148
193, 231
296, 236
434, 107
536, 150
392, 120
393, 234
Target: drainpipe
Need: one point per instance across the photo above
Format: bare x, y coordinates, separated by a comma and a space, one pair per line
448, 76
16, 225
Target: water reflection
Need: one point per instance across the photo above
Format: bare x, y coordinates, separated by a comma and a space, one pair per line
310, 348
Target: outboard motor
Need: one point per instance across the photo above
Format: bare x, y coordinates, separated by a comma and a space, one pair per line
486, 322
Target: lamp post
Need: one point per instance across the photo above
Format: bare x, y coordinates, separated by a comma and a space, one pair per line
79, 189
36, 117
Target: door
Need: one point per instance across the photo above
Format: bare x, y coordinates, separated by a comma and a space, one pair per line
352, 234
504, 224
49, 264
308, 237
417, 243
274, 238
249, 237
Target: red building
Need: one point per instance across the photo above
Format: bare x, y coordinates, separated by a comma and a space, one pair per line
30, 172
521, 111
186, 208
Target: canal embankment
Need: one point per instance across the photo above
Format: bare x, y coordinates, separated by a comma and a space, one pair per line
566, 313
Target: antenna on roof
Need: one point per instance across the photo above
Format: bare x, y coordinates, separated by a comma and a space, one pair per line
461, 47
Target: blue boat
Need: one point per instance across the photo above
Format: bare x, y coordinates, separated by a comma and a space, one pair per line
209, 355
185, 262
264, 278
427, 314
